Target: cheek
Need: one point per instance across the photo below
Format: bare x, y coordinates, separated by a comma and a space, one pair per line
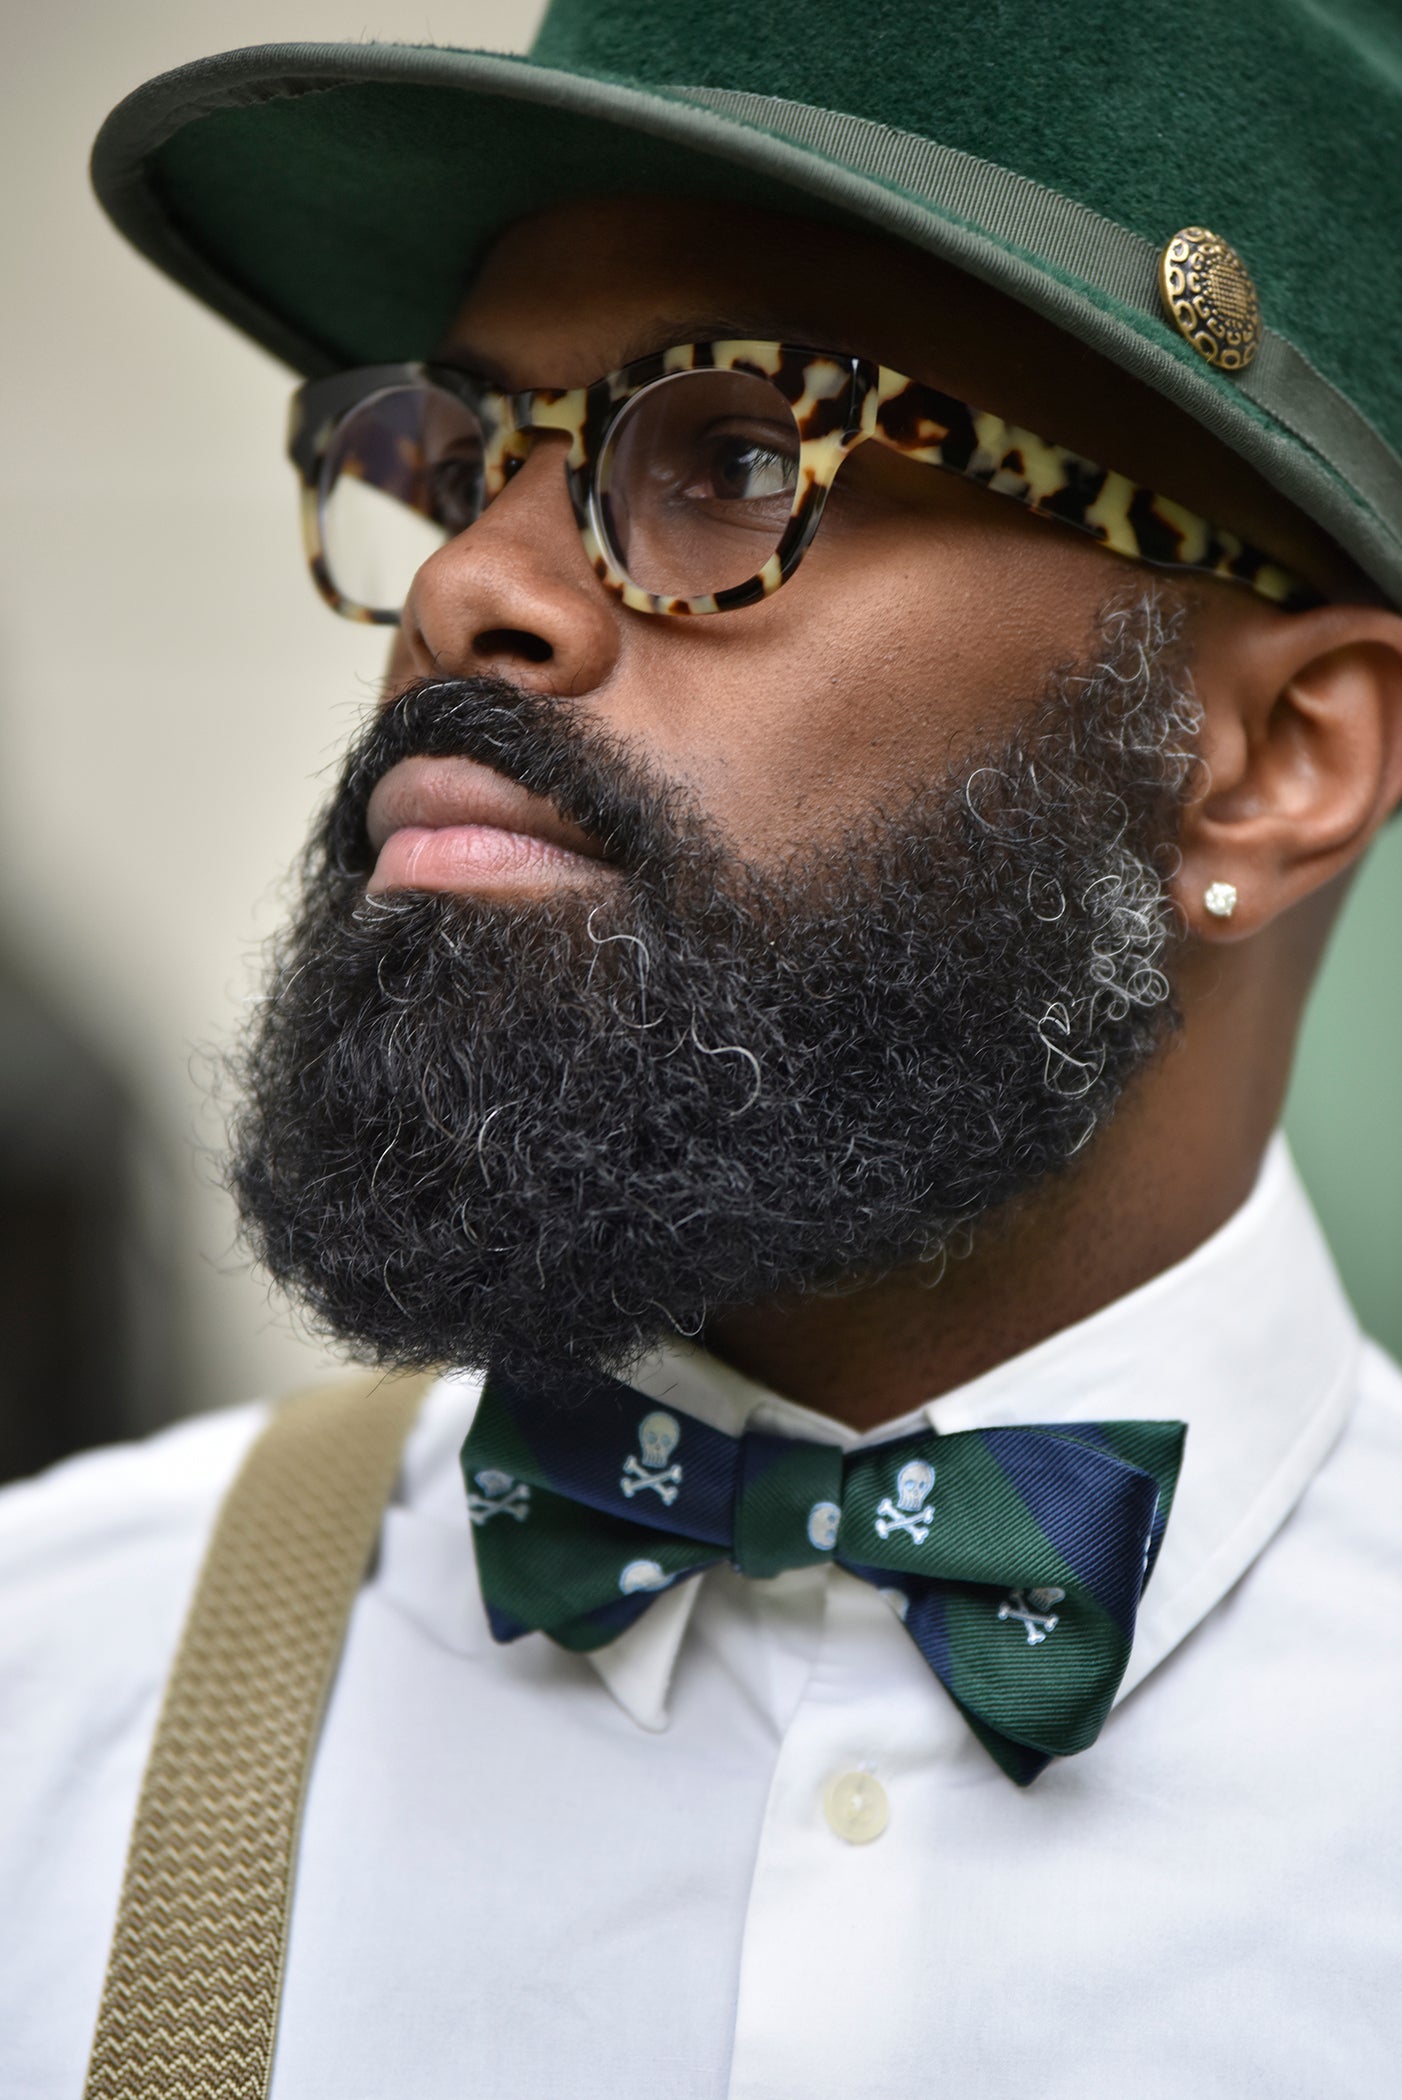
857, 682
399, 669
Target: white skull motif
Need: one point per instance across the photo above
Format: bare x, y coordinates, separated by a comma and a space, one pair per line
493, 1482
658, 1437
642, 1575
823, 1521
913, 1484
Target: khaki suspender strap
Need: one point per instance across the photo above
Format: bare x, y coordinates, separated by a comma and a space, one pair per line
189, 2008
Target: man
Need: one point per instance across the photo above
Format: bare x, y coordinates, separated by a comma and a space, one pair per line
797, 982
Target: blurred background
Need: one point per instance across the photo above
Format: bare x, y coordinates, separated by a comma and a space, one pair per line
173, 702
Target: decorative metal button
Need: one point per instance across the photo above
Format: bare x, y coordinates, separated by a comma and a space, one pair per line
1208, 295
856, 1807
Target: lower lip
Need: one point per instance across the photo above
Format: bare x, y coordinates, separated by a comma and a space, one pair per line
474, 857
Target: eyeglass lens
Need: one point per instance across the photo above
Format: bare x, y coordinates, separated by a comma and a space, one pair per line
691, 495
402, 474
696, 483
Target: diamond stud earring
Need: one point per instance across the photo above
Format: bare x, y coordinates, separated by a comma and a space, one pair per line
1220, 899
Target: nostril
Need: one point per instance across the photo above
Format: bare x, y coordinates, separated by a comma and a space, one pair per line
513, 642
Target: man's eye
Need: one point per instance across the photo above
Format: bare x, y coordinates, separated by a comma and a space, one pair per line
742, 470
455, 491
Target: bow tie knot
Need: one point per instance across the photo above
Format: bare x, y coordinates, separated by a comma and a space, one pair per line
987, 1543
788, 1503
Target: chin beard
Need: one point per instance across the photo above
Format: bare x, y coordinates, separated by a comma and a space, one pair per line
541, 1132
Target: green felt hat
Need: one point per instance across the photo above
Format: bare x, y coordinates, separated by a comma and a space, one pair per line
331, 200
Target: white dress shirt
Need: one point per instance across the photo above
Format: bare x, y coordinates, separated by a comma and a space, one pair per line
631, 1876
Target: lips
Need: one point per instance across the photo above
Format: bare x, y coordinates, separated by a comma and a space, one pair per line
454, 824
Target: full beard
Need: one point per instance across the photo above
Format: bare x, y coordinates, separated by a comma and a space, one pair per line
475, 1132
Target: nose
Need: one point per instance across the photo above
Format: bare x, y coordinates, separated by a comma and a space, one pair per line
514, 595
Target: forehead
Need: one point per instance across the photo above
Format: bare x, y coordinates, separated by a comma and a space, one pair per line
589, 285
575, 292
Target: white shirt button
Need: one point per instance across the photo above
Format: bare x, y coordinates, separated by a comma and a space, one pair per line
856, 1807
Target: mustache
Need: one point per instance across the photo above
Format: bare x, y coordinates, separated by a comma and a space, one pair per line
551, 747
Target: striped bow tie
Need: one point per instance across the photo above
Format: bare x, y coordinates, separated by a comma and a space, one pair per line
1014, 1557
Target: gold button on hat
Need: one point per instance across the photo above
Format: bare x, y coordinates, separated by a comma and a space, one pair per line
1209, 297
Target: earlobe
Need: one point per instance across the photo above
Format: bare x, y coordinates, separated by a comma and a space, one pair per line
1302, 762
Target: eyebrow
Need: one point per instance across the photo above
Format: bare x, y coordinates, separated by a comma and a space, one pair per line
660, 335
752, 326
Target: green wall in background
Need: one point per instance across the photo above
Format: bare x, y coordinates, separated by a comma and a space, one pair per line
1344, 1114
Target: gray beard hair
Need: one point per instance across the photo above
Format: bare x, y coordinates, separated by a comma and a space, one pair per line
1149, 729
535, 1135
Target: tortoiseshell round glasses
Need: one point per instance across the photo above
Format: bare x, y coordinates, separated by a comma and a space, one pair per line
698, 476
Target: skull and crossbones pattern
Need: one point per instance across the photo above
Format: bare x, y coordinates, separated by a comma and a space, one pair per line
915, 1484
1033, 1611
658, 1436
497, 1494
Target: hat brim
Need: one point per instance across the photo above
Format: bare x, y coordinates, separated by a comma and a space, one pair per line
333, 201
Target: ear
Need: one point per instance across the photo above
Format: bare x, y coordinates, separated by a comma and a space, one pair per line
1302, 757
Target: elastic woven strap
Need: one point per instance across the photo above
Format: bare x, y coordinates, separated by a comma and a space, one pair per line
189, 2007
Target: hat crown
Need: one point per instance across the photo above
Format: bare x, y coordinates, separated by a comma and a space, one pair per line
1213, 77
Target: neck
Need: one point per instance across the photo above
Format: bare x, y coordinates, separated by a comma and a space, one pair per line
1180, 1155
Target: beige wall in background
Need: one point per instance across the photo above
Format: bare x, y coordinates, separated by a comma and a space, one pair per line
172, 696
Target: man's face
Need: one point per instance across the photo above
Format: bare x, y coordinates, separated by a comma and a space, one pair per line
941, 607
854, 923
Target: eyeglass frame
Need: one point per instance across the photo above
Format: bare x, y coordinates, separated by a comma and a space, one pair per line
838, 402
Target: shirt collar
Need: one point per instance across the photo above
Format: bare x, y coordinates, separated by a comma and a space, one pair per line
1250, 1340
